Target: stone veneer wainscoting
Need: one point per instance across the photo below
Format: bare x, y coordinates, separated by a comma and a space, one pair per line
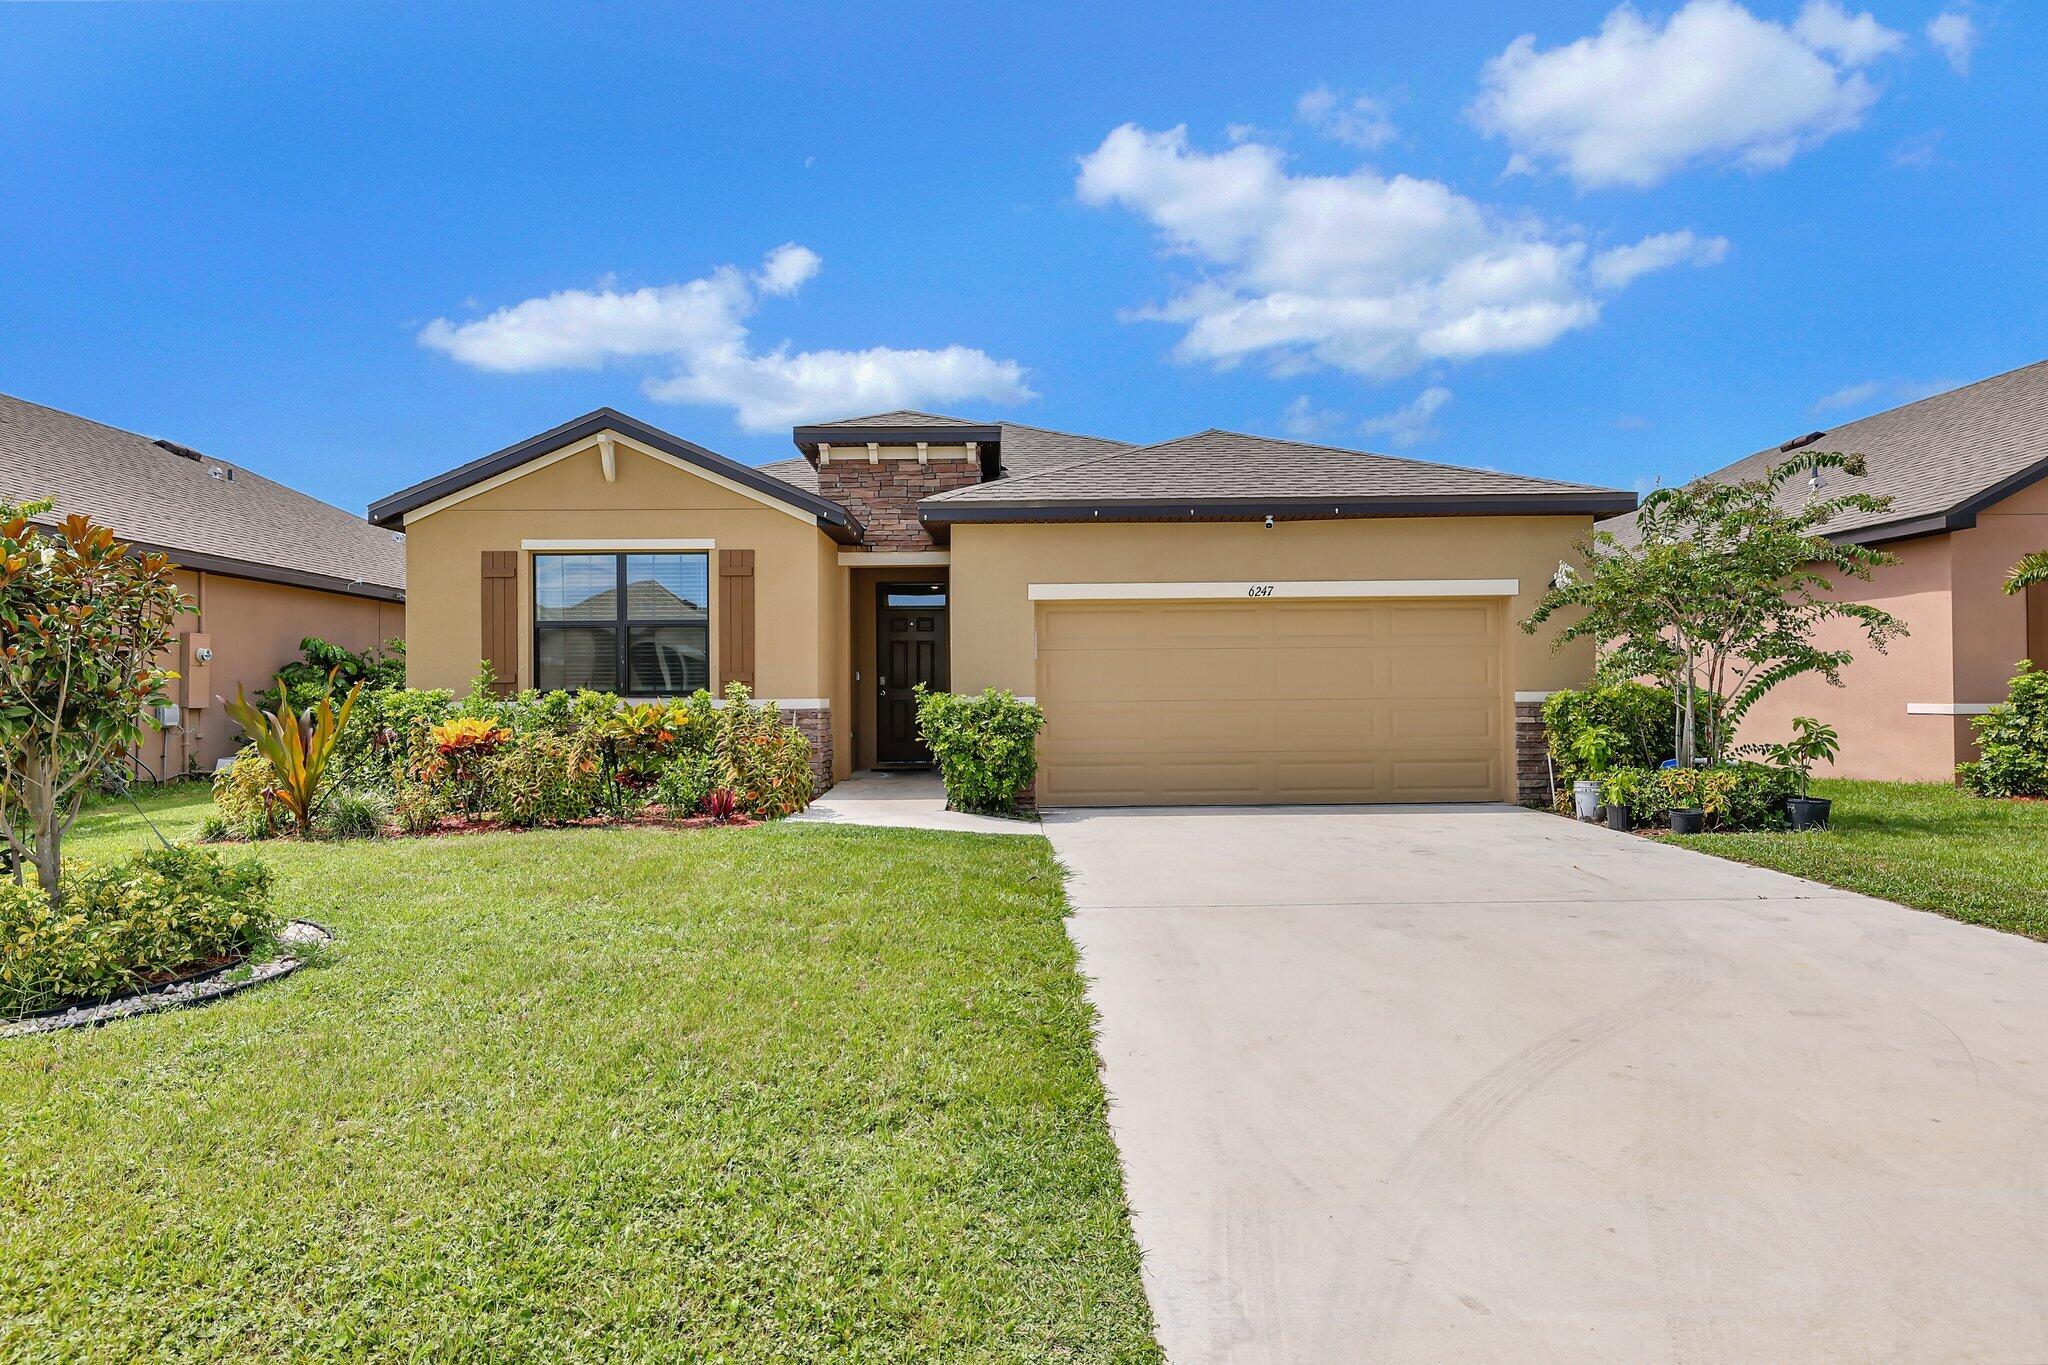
816, 723
1532, 755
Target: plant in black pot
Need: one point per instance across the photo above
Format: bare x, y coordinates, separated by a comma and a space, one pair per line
1630, 794
1685, 797
1812, 742
1594, 747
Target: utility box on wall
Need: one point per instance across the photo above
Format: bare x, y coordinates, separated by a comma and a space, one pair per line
195, 670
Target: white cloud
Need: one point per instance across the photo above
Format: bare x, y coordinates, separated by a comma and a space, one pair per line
1304, 421
1851, 396
1955, 34
699, 327
1854, 40
1375, 275
1360, 121
1623, 265
1713, 84
1630, 421
1918, 151
1410, 424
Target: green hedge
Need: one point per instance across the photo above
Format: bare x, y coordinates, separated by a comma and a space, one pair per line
986, 746
1640, 714
2013, 741
1737, 796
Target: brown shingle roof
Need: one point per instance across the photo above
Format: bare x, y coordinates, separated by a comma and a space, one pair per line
1940, 460
1224, 467
902, 417
1026, 450
156, 497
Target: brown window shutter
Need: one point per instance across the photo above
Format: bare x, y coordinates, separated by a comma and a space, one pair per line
735, 617
501, 617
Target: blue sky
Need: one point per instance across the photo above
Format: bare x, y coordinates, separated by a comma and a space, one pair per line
351, 245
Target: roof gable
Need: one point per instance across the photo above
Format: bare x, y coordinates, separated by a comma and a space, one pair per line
432, 494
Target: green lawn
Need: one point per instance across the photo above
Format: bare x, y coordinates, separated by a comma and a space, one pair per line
1924, 844
782, 1093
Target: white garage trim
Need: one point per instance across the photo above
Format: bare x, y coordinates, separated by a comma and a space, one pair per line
1948, 708
1335, 587
1534, 696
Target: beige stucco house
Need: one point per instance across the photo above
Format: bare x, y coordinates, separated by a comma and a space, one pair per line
1219, 618
263, 565
1965, 471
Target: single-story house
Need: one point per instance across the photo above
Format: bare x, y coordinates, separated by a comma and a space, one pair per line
1965, 472
1218, 618
264, 566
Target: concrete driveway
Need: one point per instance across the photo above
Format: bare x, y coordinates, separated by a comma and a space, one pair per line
1479, 1083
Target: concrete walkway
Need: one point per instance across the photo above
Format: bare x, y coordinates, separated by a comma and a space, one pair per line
1477, 1083
903, 800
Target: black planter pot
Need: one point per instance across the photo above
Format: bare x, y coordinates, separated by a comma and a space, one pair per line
1617, 818
1808, 812
1688, 822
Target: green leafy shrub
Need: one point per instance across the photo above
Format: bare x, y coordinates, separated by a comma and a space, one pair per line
685, 783
418, 804
124, 924
1638, 717
1639, 790
2013, 740
986, 746
367, 748
1736, 796
215, 829
763, 762
242, 795
350, 813
303, 682
543, 778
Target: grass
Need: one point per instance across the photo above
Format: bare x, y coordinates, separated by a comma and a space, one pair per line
1924, 844
782, 1093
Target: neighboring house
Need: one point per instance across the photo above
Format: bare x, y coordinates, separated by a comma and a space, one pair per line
264, 566
1219, 618
1965, 473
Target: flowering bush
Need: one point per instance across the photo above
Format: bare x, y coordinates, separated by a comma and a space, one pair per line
125, 925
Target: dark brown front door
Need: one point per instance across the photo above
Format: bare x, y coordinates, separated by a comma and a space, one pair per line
910, 629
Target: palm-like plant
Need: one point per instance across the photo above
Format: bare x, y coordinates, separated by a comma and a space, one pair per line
297, 746
2029, 571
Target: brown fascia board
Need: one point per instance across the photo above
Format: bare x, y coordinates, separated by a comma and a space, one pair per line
1280, 508
250, 569
1961, 517
834, 520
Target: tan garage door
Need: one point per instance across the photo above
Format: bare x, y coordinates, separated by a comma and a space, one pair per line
1296, 700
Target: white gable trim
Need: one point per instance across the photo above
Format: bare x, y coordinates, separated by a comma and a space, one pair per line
598, 441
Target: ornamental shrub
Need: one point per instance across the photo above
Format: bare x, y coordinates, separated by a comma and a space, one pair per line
546, 779
241, 793
124, 925
2013, 740
1736, 796
1641, 790
763, 762
685, 783
350, 813
986, 746
1641, 718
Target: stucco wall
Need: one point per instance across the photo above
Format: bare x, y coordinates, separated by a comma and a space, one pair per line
799, 593
1967, 636
993, 632
254, 629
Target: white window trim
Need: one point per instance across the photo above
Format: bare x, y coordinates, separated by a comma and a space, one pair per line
595, 442
617, 545
1949, 708
1262, 591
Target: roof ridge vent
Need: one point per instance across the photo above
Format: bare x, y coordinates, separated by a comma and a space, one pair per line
182, 452
1797, 441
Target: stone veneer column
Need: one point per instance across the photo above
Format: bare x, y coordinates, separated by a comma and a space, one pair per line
816, 724
1532, 755
883, 496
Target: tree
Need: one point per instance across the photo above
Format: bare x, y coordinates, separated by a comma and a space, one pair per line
82, 625
2030, 570
1722, 594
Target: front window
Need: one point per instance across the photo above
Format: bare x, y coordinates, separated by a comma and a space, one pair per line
638, 625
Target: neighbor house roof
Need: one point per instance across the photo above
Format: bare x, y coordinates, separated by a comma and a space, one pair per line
1940, 460
1227, 474
833, 519
205, 513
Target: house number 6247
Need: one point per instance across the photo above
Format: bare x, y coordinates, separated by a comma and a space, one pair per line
1259, 590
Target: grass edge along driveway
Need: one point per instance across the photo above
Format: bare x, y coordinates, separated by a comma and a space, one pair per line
789, 1093
1929, 845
